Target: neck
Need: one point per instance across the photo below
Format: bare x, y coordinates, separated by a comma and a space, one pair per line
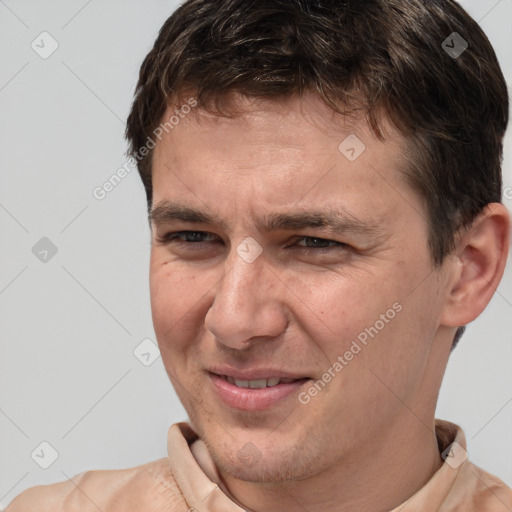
378, 478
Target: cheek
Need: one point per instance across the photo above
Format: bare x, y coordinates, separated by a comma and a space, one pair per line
372, 321
338, 308
174, 293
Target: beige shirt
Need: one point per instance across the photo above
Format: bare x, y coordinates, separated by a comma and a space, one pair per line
187, 481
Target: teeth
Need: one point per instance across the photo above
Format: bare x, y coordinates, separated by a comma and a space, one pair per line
258, 383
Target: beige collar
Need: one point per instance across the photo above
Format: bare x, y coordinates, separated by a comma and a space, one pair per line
199, 491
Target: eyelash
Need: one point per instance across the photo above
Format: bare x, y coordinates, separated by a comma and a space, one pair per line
170, 238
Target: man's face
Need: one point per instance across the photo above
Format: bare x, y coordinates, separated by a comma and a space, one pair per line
363, 294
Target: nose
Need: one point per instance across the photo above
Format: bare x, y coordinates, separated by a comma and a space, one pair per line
247, 303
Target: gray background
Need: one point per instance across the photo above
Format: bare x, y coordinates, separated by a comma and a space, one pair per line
69, 326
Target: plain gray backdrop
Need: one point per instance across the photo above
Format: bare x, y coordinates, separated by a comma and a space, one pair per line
75, 306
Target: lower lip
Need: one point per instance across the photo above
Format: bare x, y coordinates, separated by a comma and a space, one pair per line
247, 399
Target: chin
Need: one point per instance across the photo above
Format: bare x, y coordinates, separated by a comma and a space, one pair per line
253, 450
262, 461
269, 469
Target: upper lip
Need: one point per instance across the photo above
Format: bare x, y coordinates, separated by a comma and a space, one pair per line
256, 374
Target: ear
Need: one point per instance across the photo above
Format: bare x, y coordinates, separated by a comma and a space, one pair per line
478, 266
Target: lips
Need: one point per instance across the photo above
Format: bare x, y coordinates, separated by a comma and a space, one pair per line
256, 373
255, 391
258, 383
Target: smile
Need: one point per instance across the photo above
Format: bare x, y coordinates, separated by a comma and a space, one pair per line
255, 394
258, 383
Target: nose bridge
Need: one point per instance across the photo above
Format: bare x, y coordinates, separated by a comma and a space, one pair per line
245, 304
239, 285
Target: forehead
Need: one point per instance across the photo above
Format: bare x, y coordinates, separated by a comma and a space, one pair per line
295, 121
279, 153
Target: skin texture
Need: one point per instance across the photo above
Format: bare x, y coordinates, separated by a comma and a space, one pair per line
367, 441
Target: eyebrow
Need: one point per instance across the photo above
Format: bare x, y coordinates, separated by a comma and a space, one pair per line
336, 220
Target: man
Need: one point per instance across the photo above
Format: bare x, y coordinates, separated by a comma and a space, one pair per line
324, 188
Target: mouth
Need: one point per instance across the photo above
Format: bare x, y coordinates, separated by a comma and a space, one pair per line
259, 383
256, 394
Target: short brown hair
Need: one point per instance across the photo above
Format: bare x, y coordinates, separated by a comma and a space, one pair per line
371, 58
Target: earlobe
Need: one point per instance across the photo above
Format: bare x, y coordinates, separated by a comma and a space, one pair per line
477, 270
